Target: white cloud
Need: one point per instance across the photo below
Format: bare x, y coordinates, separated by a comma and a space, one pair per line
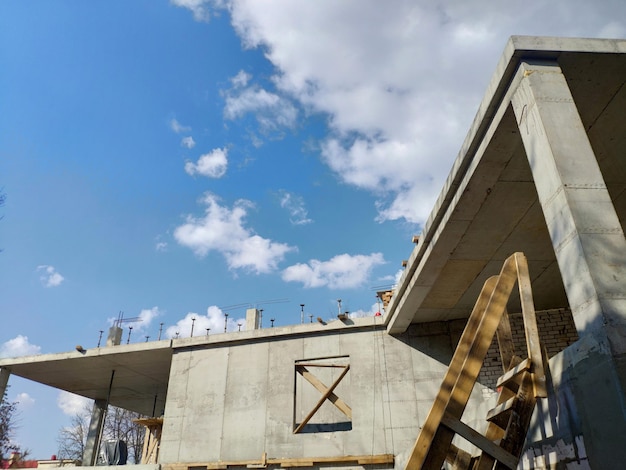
273, 112
177, 127
24, 401
399, 81
374, 309
214, 320
188, 142
71, 404
50, 277
142, 321
212, 164
200, 8
294, 204
241, 79
160, 246
340, 272
19, 346
222, 230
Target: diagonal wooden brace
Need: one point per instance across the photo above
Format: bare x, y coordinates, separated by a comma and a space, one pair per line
327, 393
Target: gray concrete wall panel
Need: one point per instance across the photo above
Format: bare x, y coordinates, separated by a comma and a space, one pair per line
232, 401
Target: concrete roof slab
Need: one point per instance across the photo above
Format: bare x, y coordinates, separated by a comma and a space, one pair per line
135, 371
488, 207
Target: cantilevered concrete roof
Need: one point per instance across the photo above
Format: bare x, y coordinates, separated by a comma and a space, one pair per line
138, 373
488, 207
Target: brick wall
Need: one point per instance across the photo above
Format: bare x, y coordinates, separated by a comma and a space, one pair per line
556, 332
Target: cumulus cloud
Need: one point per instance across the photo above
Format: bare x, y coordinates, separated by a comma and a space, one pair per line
49, 276
177, 127
200, 8
373, 310
142, 321
294, 204
223, 230
212, 164
188, 142
399, 83
214, 321
241, 79
19, 346
272, 111
24, 401
340, 272
71, 404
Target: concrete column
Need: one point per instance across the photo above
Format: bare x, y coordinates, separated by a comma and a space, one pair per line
252, 319
115, 336
590, 249
95, 433
4, 380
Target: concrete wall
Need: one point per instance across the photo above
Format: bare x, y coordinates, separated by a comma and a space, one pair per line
232, 398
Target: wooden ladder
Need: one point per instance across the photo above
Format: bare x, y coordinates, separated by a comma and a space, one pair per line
522, 383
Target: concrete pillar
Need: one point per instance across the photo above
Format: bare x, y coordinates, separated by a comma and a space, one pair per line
4, 380
252, 319
95, 433
590, 249
115, 336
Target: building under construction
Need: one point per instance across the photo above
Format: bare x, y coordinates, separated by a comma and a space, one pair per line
503, 344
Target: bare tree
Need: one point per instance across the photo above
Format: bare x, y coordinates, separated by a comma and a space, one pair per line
7, 427
72, 438
118, 425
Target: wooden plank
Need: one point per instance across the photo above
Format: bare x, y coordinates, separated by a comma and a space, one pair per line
375, 459
480, 441
495, 429
501, 408
381, 459
312, 364
458, 458
321, 401
474, 360
530, 326
505, 341
319, 385
148, 421
513, 441
513, 373
425, 438
342, 459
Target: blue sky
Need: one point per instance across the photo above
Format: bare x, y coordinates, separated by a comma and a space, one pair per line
171, 159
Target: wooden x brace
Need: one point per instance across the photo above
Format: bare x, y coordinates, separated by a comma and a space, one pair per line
327, 392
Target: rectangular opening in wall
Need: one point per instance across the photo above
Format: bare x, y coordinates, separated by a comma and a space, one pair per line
322, 395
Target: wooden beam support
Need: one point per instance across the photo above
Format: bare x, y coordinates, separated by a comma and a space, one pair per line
513, 373
324, 397
377, 459
476, 438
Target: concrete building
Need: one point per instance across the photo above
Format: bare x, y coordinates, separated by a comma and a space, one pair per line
542, 171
